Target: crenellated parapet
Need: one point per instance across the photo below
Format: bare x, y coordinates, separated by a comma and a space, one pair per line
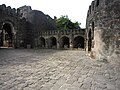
95, 5
12, 22
98, 5
7, 10
62, 32
10, 15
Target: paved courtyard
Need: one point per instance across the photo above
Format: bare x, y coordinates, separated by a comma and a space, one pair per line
30, 69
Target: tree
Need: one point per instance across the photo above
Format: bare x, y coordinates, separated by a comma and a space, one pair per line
65, 23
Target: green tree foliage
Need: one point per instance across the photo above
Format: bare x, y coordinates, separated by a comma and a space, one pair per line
65, 23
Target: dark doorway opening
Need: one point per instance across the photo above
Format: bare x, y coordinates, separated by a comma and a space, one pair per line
78, 42
89, 40
42, 42
53, 42
64, 42
6, 36
97, 3
93, 26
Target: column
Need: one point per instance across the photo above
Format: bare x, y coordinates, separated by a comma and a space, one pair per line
58, 40
4, 42
46, 43
58, 44
71, 41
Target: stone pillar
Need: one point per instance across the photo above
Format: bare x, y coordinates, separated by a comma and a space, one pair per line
58, 40
46, 43
15, 40
37, 42
12, 41
58, 45
4, 42
71, 41
1, 37
86, 46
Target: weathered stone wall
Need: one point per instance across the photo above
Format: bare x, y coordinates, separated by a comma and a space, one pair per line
37, 21
103, 20
8, 14
25, 24
40, 21
13, 18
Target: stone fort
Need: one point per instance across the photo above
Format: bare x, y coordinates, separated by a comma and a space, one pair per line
27, 28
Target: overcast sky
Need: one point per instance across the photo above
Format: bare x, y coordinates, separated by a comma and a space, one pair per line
75, 9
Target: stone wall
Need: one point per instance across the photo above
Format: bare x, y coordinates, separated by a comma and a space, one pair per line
37, 21
103, 21
25, 24
12, 17
40, 21
61, 39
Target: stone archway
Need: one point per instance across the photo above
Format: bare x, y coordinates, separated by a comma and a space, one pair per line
78, 42
42, 42
64, 42
6, 35
52, 42
89, 40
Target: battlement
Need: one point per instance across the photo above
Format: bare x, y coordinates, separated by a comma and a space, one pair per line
94, 5
62, 32
7, 10
98, 4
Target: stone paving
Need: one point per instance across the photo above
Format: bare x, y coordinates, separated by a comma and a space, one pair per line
30, 69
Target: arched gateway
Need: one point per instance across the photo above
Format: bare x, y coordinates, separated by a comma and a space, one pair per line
6, 35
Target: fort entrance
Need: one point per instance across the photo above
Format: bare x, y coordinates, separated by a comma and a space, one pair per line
6, 35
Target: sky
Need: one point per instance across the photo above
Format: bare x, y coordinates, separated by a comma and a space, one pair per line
75, 9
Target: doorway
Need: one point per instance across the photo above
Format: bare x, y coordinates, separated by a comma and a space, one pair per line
6, 36
78, 42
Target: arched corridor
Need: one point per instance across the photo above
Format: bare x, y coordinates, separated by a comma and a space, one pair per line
78, 42
64, 42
